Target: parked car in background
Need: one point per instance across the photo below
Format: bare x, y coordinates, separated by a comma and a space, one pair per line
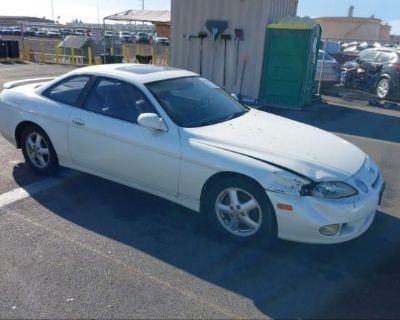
31, 31
125, 36
176, 135
80, 32
331, 47
41, 33
66, 32
328, 69
53, 33
110, 34
142, 38
7, 31
391, 45
162, 41
376, 70
17, 31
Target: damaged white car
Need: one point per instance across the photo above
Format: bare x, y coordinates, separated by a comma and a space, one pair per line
174, 134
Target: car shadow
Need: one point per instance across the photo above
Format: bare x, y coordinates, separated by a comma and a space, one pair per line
353, 280
351, 121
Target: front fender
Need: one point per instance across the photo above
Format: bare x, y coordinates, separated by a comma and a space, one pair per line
200, 162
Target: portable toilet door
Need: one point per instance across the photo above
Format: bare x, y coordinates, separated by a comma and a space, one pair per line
312, 61
290, 62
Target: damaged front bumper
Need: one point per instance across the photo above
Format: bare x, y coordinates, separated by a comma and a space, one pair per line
352, 216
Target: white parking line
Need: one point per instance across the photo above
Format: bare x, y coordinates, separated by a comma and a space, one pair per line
32, 189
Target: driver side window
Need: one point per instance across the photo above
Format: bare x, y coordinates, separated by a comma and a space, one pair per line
117, 99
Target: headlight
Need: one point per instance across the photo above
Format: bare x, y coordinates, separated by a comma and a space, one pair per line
329, 190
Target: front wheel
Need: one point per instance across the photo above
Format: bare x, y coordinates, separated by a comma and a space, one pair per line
239, 209
38, 151
383, 88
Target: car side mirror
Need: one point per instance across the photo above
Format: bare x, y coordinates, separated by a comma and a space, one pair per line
234, 96
152, 121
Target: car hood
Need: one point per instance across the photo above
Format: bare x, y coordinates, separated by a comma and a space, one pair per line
301, 148
351, 64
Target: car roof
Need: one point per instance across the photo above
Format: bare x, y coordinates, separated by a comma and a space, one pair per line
383, 49
139, 73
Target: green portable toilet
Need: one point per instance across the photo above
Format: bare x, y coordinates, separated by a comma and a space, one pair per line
290, 61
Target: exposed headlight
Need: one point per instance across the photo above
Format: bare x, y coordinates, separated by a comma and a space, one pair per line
330, 190
287, 183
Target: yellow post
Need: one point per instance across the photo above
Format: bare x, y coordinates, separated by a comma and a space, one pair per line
72, 56
112, 51
128, 54
89, 52
27, 55
166, 56
57, 54
42, 57
153, 56
124, 52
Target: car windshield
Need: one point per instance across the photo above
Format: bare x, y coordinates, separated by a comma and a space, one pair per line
368, 55
195, 101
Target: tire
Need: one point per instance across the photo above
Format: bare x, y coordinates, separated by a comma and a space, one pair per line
234, 224
383, 88
38, 151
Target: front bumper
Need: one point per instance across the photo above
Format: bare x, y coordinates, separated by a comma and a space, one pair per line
355, 215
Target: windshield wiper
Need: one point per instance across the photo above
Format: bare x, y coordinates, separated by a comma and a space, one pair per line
215, 121
202, 123
234, 115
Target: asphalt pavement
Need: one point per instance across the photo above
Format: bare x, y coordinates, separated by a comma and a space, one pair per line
77, 246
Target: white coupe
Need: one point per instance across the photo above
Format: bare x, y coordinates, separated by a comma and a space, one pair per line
174, 134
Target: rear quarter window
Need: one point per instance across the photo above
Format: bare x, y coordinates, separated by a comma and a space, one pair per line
383, 57
68, 90
368, 55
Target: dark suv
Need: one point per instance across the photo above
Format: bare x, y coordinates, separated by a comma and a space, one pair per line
376, 70
142, 38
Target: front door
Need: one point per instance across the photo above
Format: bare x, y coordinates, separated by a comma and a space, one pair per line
104, 137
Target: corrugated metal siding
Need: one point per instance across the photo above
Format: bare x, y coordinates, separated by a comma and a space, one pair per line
189, 18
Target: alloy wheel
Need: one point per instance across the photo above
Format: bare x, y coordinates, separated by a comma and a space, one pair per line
238, 212
382, 88
37, 150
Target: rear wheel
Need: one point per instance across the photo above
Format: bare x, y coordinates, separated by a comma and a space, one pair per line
383, 88
240, 210
38, 151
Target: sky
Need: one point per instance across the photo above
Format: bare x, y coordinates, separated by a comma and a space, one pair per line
86, 10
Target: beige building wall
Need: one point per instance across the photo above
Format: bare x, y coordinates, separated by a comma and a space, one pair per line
189, 18
384, 32
353, 28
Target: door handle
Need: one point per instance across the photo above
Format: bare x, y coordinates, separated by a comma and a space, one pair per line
78, 122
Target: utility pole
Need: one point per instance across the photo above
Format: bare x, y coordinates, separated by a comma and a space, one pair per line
143, 5
98, 12
52, 10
